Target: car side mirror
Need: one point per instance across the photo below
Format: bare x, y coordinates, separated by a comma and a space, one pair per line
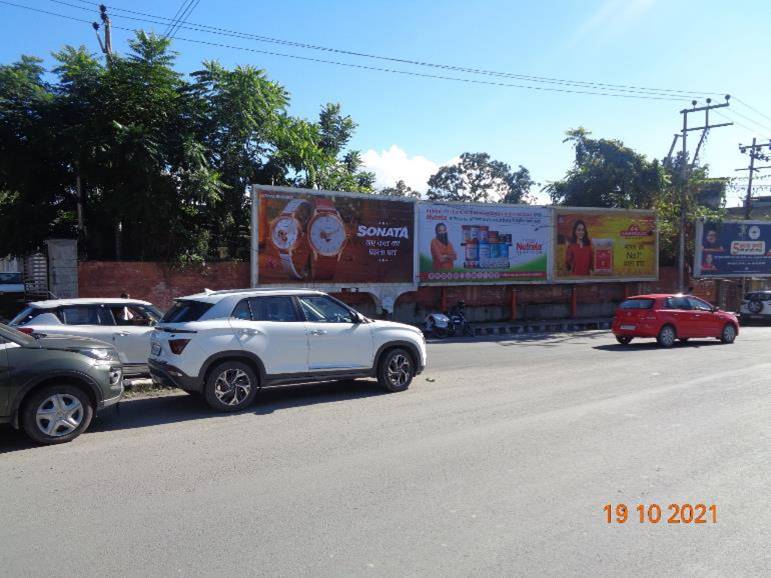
715, 309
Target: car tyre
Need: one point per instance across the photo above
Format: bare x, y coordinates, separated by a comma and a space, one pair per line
230, 386
396, 370
728, 335
56, 414
624, 339
667, 336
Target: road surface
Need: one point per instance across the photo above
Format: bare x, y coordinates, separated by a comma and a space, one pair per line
497, 461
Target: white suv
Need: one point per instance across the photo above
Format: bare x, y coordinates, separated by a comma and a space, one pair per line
228, 344
124, 323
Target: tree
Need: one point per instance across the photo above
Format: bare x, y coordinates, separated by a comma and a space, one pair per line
606, 173
400, 189
478, 179
142, 162
704, 199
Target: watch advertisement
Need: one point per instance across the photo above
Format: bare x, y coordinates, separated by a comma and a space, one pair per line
335, 238
605, 245
733, 249
462, 243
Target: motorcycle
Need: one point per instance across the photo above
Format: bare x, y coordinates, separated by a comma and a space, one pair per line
438, 325
458, 321
441, 325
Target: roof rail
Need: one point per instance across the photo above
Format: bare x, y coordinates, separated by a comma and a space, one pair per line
253, 289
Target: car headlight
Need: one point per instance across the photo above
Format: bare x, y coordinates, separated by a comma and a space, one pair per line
99, 354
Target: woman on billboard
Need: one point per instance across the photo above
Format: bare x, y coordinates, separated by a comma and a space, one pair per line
442, 252
579, 254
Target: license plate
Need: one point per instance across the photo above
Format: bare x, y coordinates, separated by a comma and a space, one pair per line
156, 348
628, 327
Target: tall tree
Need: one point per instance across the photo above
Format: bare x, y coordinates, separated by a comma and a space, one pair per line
400, 189
606, 173
479, 179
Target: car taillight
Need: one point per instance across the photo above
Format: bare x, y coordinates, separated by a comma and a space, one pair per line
177, 346
27, 330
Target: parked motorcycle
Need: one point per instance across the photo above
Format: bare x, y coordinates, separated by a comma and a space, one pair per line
458, 321
441, 325
438, 325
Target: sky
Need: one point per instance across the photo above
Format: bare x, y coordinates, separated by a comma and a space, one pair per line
409, 126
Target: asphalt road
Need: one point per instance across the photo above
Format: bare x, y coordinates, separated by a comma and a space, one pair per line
498, 461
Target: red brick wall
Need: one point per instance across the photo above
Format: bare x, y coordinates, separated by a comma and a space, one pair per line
160, 284
157, 283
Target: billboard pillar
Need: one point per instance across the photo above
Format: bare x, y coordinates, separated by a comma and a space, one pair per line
253, 279
513, 304
443, 302
574, 302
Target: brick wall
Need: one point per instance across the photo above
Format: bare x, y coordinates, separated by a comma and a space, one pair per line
160, 284
155, 282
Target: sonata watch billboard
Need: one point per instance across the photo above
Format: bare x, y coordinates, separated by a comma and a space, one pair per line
325, 237
464, 243
733, 249
605, 245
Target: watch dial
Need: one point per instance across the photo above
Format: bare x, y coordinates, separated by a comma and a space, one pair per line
327, 235
284, 233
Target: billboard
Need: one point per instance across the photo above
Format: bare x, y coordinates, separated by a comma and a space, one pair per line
605, 245
308, 237
463, 243
733, 249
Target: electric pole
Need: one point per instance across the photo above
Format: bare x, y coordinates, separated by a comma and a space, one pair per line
756, 153
686, 169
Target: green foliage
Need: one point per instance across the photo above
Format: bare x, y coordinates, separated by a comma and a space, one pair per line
157, 162
478, 179
400, 189
607, 174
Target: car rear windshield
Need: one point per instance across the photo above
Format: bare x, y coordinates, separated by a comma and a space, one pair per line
186, 311
637, 304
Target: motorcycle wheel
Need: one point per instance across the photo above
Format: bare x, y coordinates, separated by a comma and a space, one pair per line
468, 331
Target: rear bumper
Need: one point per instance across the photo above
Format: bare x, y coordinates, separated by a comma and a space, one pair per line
640, 329
170, 376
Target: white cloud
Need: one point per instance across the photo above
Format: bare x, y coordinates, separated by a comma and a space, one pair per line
394, 164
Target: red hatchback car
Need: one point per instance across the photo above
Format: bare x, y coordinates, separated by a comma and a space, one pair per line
671, 317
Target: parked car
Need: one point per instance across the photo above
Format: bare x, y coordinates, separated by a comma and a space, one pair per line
125, 323
668, 318
756, 306
228, 344
51, 387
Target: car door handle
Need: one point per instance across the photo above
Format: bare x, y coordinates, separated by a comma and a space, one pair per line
250, 332
318, 332
122, 334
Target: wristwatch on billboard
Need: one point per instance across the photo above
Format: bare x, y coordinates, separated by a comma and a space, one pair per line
327, 237
288, 236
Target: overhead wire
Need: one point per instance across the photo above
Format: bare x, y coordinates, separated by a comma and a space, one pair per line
183, 18
154, 19
173, 18
381, 69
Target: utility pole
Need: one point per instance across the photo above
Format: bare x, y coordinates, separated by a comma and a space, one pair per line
756, 153
686, 169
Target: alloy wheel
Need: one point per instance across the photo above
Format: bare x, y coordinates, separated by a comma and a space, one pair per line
59, 414
667, 336
232, 386
399, 370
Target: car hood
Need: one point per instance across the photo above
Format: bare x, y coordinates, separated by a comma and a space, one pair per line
378, 323
67, 342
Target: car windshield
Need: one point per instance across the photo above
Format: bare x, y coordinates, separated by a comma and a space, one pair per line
637, 304
13, 335
186, 310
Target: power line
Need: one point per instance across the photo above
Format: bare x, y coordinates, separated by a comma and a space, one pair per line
183, 18
753, 109
173, 18
469, 70
380, 69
